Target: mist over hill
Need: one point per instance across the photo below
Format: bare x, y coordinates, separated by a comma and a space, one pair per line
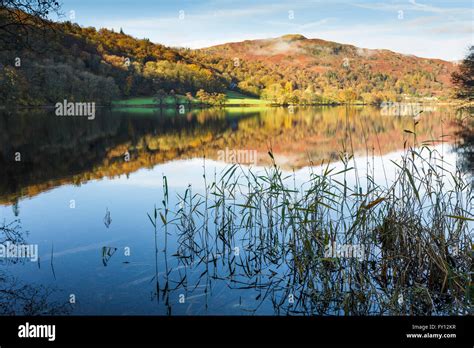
328, 69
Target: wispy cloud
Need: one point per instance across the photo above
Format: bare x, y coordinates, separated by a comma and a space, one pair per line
427, 29
398, 39
464, 28
317, 23
411, 5
212, 14
297, 27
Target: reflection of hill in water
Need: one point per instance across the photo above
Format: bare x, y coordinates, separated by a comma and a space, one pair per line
56, 151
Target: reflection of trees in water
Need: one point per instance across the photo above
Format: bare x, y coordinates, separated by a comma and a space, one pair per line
12, 232
20, 298
64, 150
56, 151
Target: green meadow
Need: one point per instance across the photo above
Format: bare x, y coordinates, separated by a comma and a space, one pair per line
233, 99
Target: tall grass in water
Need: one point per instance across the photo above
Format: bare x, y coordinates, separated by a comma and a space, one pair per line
262, 233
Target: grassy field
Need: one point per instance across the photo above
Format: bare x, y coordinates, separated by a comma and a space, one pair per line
140, 101
233, 98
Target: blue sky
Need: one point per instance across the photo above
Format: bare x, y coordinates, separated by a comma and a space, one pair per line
435, 29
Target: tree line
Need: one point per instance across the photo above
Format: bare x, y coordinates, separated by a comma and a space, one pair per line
65, 61
43, 62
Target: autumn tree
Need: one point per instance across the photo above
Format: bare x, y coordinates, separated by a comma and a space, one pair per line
219, 99
202, 96
19, 19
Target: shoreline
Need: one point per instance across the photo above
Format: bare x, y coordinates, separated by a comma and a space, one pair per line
245, 105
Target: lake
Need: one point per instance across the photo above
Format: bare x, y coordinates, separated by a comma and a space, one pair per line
85, 191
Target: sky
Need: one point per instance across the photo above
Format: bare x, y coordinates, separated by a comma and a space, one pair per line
431, 29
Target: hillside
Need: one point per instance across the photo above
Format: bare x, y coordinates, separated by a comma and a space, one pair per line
71, 62
294, 67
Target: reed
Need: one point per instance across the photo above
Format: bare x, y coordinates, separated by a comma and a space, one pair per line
412, 235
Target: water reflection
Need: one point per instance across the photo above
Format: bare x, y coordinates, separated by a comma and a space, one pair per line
205, 249
24, 298
20, 298
40, 151
262, 241
465, 137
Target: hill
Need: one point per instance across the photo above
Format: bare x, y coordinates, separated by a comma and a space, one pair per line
293, 68
67, 61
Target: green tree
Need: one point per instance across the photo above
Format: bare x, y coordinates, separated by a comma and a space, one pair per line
174, 97
189, 98
160, 95
463, 79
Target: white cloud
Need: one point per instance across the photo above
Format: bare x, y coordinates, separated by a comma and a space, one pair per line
386, 37
428, 31
411, 5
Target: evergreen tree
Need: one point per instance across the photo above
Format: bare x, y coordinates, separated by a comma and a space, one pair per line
463, 79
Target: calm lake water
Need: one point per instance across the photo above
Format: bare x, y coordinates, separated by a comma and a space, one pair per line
81, 189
